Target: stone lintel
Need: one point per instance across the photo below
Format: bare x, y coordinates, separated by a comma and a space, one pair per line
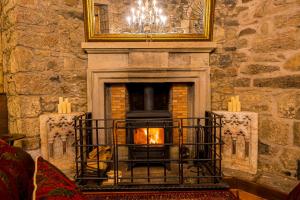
125, 47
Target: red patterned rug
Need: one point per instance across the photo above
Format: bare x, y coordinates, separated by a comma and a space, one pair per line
163, 195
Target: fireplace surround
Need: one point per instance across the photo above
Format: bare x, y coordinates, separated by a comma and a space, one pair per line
121, 63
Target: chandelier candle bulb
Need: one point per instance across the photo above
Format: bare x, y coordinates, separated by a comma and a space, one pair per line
146, 17
129, 21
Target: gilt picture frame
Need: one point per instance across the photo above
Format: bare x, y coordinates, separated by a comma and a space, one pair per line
105, 20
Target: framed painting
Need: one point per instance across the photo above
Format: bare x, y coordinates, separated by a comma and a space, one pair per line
143, 20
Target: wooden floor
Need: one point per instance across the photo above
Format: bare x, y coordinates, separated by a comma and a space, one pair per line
254, 190
245, 195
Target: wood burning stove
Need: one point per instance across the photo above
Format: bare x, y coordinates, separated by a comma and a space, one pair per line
149, 128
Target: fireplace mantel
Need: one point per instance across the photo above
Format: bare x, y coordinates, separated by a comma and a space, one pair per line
125, 47
150, 62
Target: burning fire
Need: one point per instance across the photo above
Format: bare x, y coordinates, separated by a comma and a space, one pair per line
155, 135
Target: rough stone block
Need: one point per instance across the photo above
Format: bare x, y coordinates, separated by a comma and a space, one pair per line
296, 131
218, 73
297, 116
263, 148
242, 43
30, 106
240, 57
22, 59
291, 81
231, 22
247, 31
255, 101
283, 41
269, 57
71, 2
242, 82
287, 104
293, 63
29, 126
49, 103
37, 83
285, 20
289, 158
258, 69
31, 143
225, 60
274, 131
267, 164
13, 106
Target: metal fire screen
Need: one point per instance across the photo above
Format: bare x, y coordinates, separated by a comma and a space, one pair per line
104, 159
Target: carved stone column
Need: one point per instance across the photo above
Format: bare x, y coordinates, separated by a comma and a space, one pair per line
240, 137
57, 140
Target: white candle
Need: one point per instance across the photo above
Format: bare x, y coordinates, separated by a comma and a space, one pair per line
238, 106
69, 110
59, 108
233, 101
230, 106
64, 107
60, 100
67, 100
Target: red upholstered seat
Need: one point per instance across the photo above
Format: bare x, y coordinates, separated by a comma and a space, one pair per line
295, 193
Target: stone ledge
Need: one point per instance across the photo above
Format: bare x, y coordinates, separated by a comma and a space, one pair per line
125, 47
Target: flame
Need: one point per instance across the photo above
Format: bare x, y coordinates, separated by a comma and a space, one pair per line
155, 135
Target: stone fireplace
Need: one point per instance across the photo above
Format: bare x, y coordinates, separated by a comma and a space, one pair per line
134, 80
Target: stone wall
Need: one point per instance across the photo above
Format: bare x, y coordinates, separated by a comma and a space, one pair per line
258, 58
43, 60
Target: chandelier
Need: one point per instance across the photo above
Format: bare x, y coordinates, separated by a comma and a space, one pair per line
147, 17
